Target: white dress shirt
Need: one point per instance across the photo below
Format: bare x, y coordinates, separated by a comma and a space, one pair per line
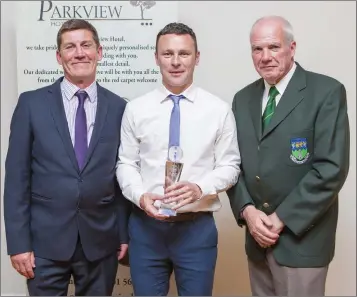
208, 139
70, 103
281, 86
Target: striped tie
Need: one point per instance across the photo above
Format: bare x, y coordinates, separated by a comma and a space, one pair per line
270, 108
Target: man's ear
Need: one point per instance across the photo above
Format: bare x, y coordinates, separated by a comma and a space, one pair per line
198, 54
59, 57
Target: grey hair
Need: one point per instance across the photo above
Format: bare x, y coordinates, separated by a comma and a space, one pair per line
287, 27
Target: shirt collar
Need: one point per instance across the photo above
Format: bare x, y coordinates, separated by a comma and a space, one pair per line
189, 93
283, 83
71, 89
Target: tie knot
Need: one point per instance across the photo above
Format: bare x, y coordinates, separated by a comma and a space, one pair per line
81, 95
273, 92
176, 98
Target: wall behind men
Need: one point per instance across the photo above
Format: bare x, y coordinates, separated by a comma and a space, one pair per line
326, 42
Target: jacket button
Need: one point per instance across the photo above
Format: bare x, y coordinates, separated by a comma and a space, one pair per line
266, 205
257, 178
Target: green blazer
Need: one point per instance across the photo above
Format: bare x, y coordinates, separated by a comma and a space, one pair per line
296, 168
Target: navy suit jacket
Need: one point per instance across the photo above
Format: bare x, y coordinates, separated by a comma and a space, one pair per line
48, 201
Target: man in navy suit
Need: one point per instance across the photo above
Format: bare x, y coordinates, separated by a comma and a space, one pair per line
64, 212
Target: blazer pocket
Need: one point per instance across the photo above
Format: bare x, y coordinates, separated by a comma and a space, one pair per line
107, 199
320, 239
107, 139
300, 148
40, 197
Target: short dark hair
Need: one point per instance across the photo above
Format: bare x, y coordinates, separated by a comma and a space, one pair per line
178, 29
76, 24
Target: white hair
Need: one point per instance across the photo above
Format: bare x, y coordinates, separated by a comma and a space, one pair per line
287, 28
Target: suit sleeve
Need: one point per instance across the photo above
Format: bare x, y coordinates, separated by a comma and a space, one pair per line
17, 188
124, 205
238, 194
320, 186
124, 210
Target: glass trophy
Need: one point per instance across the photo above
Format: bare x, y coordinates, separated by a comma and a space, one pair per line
173, 170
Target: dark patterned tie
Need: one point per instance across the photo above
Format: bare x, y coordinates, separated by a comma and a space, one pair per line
80, 140
174, 139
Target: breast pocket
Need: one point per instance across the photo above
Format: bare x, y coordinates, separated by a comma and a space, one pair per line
300, 148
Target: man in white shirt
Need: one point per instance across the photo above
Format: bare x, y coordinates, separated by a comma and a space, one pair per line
200, 128
293, 133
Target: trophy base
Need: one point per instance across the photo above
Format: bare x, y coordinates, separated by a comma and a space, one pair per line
167, 212
164, 209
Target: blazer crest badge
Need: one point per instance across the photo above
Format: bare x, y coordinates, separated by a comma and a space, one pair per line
299, 150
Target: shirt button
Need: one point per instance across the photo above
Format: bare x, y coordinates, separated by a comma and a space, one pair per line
257, 178
266, 205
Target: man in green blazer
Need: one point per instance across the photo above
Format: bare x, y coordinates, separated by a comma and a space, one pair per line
293, 134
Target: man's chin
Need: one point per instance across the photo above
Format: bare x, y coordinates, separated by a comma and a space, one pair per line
177, 82
81, 75
270, 79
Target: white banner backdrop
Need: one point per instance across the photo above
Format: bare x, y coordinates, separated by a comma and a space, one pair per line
127, 32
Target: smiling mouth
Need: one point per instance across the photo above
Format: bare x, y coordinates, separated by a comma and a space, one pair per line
176, 73
80, 63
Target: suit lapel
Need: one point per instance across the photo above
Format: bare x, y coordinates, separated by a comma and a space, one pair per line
100, 117
59, 117
290, 99
255, 106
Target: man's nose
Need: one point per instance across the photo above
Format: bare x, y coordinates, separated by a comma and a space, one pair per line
175, 60
79, 51
266, 55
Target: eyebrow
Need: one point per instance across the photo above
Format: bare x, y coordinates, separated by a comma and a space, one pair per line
71, 42
266, 45
180, 51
